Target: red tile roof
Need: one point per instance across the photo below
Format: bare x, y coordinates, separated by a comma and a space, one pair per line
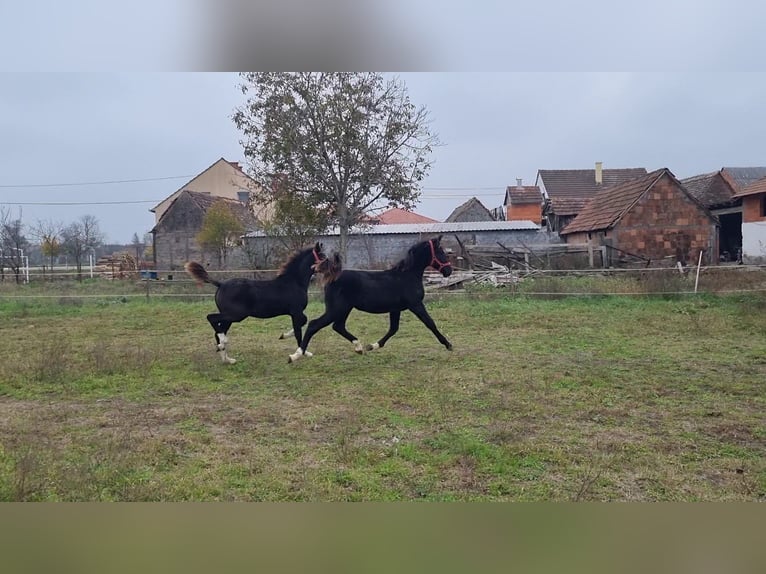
517, 195
608, 206
758, 186
395, 215
581, 183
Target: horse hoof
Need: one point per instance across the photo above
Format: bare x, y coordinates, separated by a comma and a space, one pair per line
368, 347
309, 354
449, 347
282, 336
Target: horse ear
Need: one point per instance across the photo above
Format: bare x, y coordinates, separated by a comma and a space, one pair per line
439, 239
318, 247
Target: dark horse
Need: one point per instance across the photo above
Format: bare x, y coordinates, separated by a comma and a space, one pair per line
392, 291
239, 298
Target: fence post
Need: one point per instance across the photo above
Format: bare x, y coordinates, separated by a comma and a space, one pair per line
147, 289
697, 279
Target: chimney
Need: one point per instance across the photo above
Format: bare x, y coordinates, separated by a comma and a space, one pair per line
518, 183
599, 174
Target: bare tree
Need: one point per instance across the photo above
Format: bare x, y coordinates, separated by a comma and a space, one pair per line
12, 244
48, 233
347, 141
80, 237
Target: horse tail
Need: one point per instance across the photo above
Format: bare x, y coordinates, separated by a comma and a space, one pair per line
330, 269
200, 273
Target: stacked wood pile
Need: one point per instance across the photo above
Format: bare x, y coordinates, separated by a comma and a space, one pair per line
116, 266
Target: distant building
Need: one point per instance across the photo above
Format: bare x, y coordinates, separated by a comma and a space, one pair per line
566, 191
523, 202
753, 199
396, 216
652, 217
471, 210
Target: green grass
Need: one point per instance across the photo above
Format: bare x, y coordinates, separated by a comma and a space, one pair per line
565, 399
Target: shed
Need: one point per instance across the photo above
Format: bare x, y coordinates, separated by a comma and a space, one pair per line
652, 217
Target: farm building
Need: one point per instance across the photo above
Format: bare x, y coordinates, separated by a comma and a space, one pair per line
396, 215
566, 191
379, 246
175, 235
222, 179
717, 191
653, 218
523, 202
753, 199
471, 210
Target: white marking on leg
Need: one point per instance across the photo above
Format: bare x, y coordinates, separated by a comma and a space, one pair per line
308, 354
287, 334
374, 347
222, 338
296, 355
357, 346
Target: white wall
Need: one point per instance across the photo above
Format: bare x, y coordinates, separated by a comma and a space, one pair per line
754, 242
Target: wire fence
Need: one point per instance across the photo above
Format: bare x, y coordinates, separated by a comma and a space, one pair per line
712, 280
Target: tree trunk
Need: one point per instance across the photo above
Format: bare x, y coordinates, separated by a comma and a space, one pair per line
343, 245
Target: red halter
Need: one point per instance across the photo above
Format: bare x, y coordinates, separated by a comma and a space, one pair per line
316, 256
435, 263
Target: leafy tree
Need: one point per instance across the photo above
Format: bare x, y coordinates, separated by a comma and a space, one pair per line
347, 141
295, 222
221, 230
80, 237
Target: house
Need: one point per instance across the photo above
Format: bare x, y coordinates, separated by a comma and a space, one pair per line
717, 191
471, 210
222, 179
175, 235
395, 216
653, 217
380, 246
523, 202
566, 191
753, 199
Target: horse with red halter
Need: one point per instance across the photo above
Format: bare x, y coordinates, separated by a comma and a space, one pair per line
239, 298
392, 291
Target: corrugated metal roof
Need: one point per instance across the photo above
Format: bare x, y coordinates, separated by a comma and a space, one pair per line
446, 227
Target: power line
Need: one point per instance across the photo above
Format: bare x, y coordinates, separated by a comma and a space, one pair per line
79, 202
81, 183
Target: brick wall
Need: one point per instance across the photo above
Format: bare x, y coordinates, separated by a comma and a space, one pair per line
752, 208
666, 223
525, 212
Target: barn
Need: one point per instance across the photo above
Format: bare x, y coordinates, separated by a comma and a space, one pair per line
652, 219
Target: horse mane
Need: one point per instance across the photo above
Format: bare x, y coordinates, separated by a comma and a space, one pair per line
408, 261
291, 265
329, 269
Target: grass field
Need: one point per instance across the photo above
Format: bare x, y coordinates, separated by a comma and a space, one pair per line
564, 399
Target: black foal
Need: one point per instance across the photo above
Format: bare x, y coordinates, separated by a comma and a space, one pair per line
239, 298
392, 291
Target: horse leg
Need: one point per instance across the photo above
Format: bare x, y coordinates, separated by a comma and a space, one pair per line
421, 313
221, 327
299, 320
314, 326
392, 329
339, 326
287, 334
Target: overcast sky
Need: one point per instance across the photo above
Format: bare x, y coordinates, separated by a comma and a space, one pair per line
694, 103
76, 128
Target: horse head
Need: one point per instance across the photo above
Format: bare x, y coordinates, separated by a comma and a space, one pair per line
319, 257
439, 259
